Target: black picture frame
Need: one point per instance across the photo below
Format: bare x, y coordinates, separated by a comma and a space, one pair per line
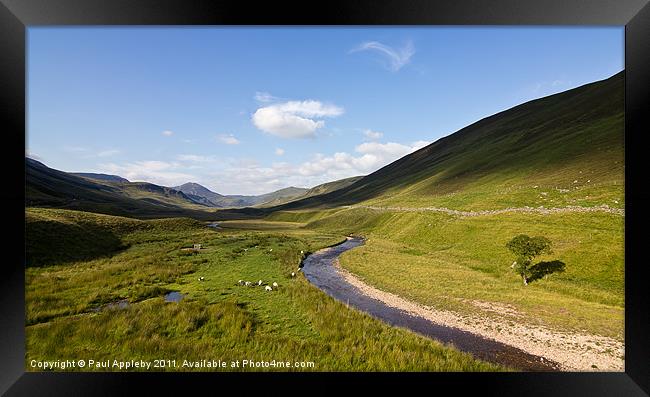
18, 15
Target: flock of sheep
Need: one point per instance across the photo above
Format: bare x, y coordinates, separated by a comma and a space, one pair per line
260, 283
267, 287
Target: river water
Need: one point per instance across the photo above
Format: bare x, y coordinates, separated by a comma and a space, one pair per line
320, 270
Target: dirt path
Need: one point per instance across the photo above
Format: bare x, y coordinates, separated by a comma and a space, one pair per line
537, 210
574, 352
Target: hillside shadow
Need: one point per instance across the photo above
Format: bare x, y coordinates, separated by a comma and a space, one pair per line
543, 269
51, 243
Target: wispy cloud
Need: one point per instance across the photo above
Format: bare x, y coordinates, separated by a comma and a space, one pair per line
195, 158
108, 153
279, 152
167, 133
294, 119
32, 155
88, 153
396, 57
75, 149
370, 134
228, 139
264, 97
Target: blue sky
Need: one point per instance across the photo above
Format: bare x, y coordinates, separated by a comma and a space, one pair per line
246, 110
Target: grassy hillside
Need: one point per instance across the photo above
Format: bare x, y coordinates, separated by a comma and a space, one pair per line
68, 311
564, 149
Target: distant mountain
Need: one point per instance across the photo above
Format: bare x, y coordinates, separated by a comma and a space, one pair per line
282, 195
299, 193
100, 177
47, 187
237, 201
195, 189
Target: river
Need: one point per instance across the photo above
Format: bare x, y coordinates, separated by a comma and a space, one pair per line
320, 270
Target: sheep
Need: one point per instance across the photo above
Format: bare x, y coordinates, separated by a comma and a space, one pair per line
275, 284
240, 282
201, 278
268, 288
302, 252
513, 264
248, 283
271, 250
299, 269
259, 282
293, 274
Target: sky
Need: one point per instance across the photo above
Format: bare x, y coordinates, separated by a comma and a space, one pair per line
249, 110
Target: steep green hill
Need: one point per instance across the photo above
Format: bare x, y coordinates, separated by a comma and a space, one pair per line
564, 149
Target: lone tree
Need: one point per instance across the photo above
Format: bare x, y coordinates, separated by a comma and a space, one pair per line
526, 248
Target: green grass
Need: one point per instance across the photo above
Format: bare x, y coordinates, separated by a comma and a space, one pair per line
218, 319
465, 258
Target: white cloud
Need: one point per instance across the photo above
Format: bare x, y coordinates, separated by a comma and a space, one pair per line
195, 158
264, 97
294, 119
32, 155
279, 151
396, 58
228, 139
158, 172
372, 134
76, 149
168, 133
108, 153
253, 178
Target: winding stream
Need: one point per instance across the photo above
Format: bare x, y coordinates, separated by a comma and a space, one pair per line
320, 270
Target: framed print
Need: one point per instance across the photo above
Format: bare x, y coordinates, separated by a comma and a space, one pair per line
371, 192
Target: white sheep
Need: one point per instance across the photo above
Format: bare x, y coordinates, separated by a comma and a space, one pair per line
240, 282
268, 288
275, 284
293, 274
302, 252
259, 282
201, 278
299, 269
271, 250
248, 283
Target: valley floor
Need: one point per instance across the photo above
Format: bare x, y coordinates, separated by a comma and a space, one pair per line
452, 268
95, 288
